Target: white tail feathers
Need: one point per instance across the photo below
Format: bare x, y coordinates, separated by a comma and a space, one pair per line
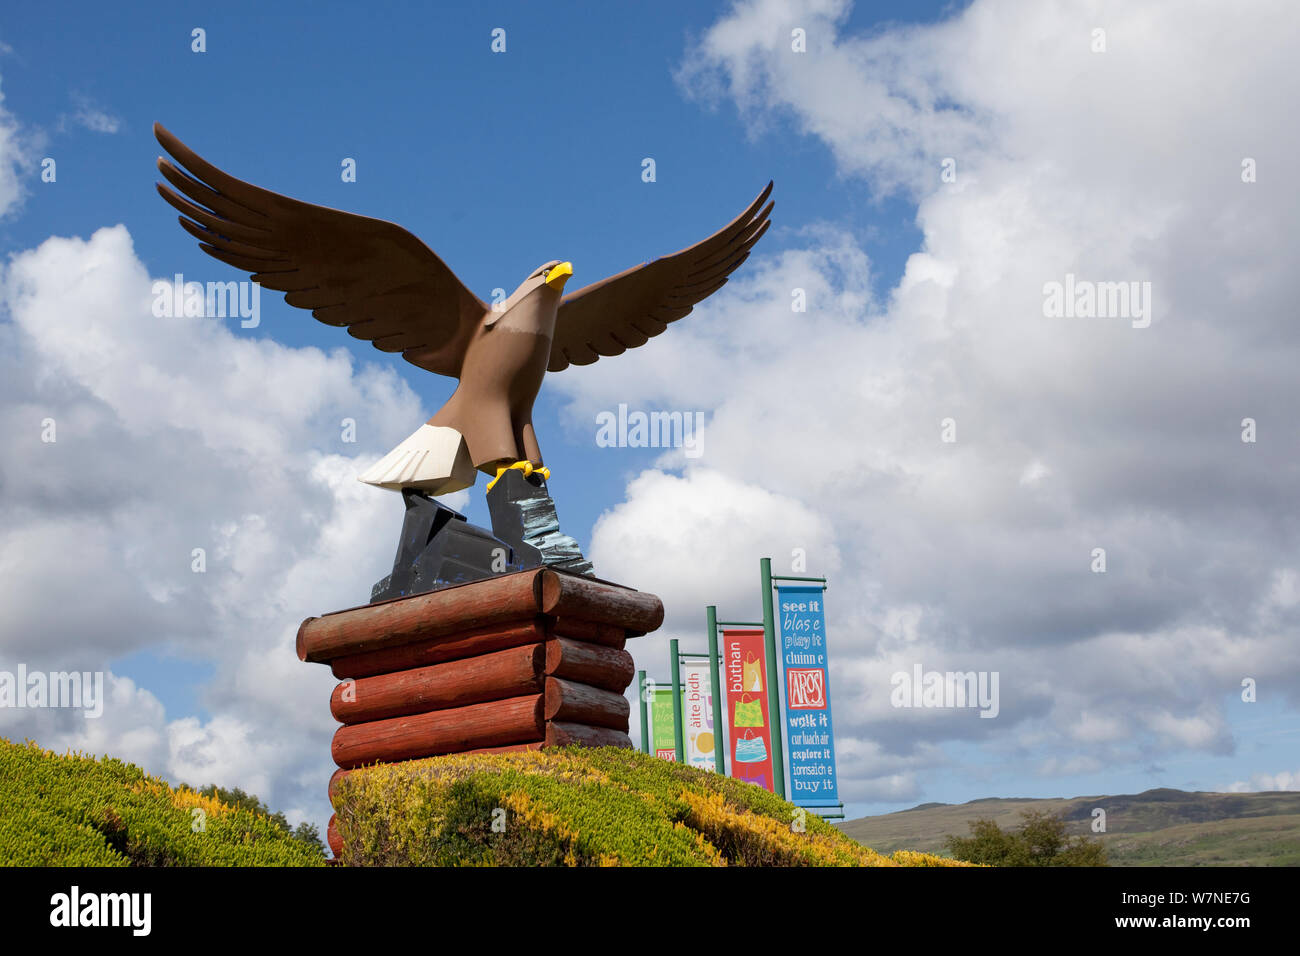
435, 460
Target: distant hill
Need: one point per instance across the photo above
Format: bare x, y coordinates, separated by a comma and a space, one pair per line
1160, 827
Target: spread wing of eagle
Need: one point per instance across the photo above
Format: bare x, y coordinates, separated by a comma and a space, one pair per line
384, 285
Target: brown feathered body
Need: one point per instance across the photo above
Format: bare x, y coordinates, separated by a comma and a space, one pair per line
501, 375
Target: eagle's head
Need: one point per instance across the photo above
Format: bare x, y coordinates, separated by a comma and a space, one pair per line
532, 306
552, 275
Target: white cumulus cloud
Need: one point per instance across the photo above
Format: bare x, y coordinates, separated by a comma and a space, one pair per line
1073, 436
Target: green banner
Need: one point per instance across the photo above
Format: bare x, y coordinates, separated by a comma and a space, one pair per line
663, 737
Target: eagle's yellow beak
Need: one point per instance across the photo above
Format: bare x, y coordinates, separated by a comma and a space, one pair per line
556, 277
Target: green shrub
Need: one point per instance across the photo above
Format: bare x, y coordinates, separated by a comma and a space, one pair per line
1040, 841
73, 810
580, 807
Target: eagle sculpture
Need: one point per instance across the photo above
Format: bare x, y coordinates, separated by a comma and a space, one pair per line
384, 285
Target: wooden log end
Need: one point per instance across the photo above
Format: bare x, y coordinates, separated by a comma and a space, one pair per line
300, 642
578, 596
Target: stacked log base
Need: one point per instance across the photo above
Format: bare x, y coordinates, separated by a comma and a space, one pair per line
518, 662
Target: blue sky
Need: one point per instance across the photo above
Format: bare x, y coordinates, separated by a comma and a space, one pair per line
924, 304
435, 121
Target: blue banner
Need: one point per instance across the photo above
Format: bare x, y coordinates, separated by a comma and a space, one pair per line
810, 738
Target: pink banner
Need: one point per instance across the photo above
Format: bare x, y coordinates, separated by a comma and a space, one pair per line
745, 668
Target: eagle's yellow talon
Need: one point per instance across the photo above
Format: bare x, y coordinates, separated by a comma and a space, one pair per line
544, 472
525, 466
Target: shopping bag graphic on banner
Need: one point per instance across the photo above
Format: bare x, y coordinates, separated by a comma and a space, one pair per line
750, 749
749, 713
752, 675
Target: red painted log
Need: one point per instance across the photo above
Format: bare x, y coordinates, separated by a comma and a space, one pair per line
493, 724
333, 838
506, 599
448, 648
573, 595
570, 703
590, 632
514, 672
563, 735
479, 604
605, 667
